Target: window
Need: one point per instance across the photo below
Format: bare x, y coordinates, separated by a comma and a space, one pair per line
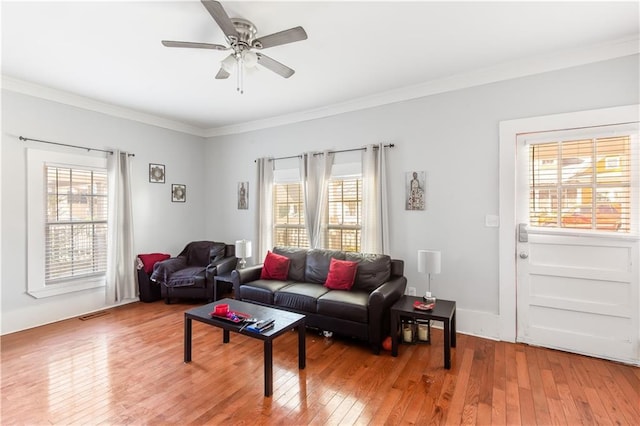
343, 221
345, 215
581, 184
288, 214
67, 209
76, 223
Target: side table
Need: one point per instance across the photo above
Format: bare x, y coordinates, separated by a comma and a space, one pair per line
217, 279
445, 311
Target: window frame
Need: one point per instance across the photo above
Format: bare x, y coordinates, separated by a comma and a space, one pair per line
36, 222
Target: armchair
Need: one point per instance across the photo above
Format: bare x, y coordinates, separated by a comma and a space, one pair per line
191, 273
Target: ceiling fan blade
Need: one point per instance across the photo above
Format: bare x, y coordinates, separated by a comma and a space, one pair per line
283, 37
222, 74
274, 65
170, 43
222, 19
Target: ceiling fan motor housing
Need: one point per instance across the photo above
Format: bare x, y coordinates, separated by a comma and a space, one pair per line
246, 33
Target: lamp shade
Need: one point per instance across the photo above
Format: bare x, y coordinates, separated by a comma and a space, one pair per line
243, 249
429, 261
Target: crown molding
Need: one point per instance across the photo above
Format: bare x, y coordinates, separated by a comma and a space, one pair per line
67, 98
506, 71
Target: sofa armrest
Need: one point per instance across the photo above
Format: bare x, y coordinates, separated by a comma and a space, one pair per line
162, 270
380, 302
242, 276
220, 267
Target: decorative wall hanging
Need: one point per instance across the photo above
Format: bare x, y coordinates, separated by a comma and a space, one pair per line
156, 173
415, 190
178, 193
243, 195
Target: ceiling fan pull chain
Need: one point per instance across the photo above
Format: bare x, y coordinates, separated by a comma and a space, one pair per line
241, 73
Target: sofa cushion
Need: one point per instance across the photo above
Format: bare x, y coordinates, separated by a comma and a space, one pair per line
300, 296
298, 258
317, 267
261, 291
275, 267
193, 276
347, 305
373, 270
341, 275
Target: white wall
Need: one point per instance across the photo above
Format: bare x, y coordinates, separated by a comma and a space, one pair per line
454, 138
159, 224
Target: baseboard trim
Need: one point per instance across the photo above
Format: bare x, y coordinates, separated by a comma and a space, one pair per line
476, 323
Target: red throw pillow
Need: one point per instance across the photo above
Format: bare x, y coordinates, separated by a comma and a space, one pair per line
148, 260
342, 274
275, 267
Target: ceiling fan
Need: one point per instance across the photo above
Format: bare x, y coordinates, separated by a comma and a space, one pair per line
240, 35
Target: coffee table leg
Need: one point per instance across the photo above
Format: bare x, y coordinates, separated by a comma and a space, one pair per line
302, 347
268, 368
225, 336
453, 330
394, 334
187, 339
447, 344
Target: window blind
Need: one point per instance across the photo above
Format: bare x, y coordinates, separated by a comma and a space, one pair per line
76, 222
584, 183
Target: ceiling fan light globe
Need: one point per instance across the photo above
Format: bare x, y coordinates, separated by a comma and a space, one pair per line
250, 59
228, 63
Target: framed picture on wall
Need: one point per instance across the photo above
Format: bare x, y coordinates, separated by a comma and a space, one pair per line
156, 173
243, 195
178, 193
415, 194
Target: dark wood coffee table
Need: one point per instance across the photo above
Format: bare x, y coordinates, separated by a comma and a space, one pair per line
284, 321
445, 311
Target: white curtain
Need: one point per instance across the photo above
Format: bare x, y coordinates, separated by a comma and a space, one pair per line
375, 215
315, 171
121, 283
264, 225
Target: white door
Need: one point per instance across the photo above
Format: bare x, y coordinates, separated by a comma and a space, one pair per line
577, 255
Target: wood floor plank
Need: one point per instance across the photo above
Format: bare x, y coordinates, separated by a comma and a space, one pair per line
512, 389
126, 367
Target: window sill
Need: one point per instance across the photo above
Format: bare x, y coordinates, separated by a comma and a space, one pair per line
67, 287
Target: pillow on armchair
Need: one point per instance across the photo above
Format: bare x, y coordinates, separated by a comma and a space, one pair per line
149, 260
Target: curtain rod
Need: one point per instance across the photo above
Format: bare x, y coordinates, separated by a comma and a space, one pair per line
71, 146
330, 152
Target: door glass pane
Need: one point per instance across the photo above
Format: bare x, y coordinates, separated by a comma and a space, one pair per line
581, 184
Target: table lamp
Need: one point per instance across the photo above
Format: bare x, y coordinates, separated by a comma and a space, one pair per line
243, 251
429, 263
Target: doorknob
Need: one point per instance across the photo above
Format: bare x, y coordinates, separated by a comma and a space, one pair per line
524, 255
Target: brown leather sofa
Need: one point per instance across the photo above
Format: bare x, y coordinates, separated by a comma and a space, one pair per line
191, 273
361, 312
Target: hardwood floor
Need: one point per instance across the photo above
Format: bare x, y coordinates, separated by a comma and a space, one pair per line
126, 367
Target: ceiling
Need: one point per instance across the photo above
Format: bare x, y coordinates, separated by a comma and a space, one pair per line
356, 54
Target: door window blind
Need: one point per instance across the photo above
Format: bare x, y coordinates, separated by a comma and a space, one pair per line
582, 184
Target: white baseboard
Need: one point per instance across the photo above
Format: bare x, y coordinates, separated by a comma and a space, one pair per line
28, 318
476, 323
